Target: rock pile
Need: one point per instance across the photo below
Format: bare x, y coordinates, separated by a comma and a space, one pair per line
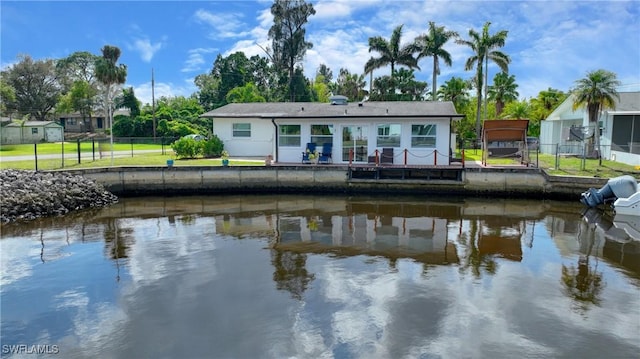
27, 195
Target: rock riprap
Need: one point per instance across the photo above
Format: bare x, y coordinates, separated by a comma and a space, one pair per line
26, 195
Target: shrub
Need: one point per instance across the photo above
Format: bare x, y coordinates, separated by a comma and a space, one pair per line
212, 147
187, 148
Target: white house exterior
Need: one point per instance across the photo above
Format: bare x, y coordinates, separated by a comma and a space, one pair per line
619, 127
32, 132
354, 130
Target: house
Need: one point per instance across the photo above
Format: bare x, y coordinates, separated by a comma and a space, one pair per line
31, 132
564, 131
75, 123
415, 132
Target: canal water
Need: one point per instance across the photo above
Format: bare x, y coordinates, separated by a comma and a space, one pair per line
322, 277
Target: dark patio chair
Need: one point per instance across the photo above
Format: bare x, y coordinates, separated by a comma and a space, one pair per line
311, 148
325, 155
387, 155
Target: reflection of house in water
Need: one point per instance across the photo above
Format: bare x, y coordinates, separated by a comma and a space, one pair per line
388, 230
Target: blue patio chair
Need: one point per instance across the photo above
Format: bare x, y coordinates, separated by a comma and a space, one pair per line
325, 155
311, 148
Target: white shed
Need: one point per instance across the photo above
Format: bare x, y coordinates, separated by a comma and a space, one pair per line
32, 132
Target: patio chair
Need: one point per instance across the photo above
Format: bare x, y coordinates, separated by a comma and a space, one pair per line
325, 155
311, 148
387, 155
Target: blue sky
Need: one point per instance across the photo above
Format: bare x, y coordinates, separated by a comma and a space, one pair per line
551, 43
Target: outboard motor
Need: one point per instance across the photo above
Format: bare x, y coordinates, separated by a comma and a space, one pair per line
617, 187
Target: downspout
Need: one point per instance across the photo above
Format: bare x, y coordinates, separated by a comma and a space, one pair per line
275, 131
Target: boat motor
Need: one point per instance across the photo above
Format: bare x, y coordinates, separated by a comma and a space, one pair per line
617, 187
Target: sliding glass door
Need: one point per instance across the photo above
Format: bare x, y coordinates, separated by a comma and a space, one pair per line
354, 138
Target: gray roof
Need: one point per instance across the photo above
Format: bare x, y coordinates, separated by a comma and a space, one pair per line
34, 124
629, 101
301, 110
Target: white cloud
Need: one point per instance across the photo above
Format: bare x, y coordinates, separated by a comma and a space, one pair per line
225, 25
145, 48
196, 58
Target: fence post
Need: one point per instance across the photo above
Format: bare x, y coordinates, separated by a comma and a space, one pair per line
131, 140
79, 154
405, 157
584, 157
435, 157
462, 155
162, 144
93, 148
557, 158
62, 154
35, 154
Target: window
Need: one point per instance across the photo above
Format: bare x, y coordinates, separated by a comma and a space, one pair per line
321, 134
388, 135
241, 130
34, 131
289, 135
423, 135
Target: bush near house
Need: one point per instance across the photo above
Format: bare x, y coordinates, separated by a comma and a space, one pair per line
188, 147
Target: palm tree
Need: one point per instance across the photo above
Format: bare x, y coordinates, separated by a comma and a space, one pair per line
391, 53
110, 74
597, 92
484, 49
503, 90
455, 90
431, 45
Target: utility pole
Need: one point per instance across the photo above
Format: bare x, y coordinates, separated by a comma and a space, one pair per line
153, 104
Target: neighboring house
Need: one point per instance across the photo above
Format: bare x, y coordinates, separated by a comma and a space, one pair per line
564, 130
73, 122
354, 130
31, 132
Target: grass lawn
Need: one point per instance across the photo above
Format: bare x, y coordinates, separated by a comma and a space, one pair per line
148, 159
567, 166
72, 147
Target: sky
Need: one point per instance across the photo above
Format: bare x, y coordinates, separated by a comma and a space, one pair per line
551, 43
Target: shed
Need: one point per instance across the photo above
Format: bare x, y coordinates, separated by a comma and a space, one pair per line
503, 137
32, 132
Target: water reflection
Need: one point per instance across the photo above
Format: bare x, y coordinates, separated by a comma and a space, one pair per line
295, 276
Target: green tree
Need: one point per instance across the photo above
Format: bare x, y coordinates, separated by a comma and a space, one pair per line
503, 90
546, 101
455, 90
128, 100
597, 91
432, 44
391, 53
82, 98
35, 86
326, 73
245, 94
484, 47
288, 36
410, 89
79, 66
7, 95
208, 91
320, 89
350, 85
518, 110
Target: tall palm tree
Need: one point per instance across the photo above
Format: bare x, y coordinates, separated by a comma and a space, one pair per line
597, 92
391, 53
110, 75
503, 90
484, 49
431, 45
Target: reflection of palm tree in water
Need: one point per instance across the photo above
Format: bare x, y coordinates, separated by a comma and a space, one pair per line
583, 284
290, 272
475, 259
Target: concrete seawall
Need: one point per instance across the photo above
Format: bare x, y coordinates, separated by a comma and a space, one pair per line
503, 182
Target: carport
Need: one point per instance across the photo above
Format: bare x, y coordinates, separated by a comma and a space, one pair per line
506, 132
